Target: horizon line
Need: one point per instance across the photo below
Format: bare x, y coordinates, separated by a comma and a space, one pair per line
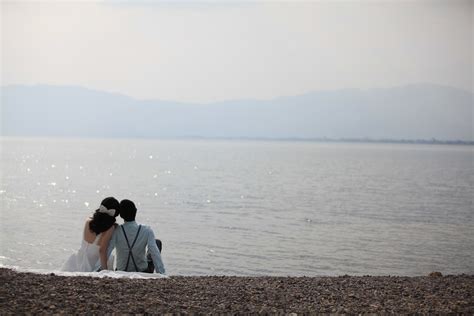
361, 140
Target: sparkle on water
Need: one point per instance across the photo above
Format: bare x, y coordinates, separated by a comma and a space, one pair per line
247, 208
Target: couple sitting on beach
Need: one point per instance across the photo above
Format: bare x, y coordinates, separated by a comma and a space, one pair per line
130, 240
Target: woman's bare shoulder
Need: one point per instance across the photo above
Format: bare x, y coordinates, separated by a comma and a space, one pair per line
111, 228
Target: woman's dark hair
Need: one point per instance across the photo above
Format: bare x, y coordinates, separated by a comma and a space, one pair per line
102, 221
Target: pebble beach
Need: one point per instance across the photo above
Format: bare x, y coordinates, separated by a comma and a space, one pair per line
51, 294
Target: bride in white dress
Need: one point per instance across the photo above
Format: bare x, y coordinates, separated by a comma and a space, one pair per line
97, 233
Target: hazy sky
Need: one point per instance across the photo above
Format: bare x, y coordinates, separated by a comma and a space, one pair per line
212, 51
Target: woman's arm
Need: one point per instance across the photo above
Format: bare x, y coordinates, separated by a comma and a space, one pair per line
103, 244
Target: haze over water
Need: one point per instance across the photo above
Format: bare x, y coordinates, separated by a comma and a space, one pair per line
247, 207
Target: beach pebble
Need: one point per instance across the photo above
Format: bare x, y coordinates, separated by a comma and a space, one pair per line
28, 293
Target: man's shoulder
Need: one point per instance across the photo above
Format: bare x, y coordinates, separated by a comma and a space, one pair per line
117, 227
146, 227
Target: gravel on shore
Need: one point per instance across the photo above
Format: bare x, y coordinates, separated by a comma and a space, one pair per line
51, 294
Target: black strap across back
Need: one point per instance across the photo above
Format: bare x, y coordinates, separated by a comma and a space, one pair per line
130, 255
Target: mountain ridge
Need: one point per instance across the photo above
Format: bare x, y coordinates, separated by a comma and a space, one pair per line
415, 111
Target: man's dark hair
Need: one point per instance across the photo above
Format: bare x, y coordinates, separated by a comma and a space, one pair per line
128, 211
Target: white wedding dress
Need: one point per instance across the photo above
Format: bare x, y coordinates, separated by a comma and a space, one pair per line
86, 259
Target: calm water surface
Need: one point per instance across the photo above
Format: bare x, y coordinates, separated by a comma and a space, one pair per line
247, 207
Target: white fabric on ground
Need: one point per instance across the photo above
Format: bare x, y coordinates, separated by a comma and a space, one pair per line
101, 274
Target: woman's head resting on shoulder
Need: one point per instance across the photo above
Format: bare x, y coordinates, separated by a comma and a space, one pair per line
109, 206
104, 216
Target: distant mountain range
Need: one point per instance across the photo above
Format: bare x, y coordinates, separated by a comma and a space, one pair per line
409, 112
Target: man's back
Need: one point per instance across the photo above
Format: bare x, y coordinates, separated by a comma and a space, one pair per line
145, 238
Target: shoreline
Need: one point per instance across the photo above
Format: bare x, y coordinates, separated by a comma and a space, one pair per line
23, 292
322, 140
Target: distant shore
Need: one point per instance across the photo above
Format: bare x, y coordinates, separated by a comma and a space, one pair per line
366, 140
432, 141
35, 293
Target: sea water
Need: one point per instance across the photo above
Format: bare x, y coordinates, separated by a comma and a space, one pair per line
247, 207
